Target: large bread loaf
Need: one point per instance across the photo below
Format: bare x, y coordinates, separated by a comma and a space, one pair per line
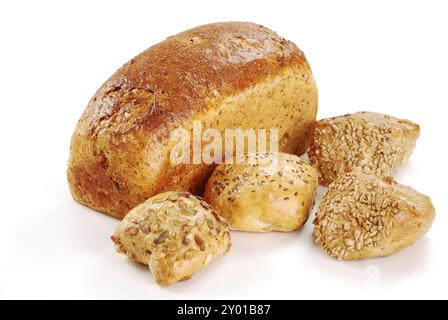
226, 75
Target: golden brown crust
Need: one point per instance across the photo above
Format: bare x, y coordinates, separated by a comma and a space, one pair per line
374, 142
120, 148
271, 193
175, 234
363, 216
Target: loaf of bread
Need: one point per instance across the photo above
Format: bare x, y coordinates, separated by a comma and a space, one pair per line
175, 234
225, 75
270, 192
363, 216
374, 142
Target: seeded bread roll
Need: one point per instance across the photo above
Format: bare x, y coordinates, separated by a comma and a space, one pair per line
274, 194
363, 216
225, 75
377, 143
175, 234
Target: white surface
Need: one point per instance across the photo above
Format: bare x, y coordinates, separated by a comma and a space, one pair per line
385, 56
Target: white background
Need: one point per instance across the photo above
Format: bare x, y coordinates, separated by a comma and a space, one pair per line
384, 56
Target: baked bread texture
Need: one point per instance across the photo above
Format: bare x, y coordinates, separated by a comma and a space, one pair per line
225, 75
377, 143
363, 216
175, 234
273, 192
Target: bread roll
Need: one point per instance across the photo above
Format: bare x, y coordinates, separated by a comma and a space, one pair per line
225, 75
175, 234
363, 216
275, 194
377, 143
